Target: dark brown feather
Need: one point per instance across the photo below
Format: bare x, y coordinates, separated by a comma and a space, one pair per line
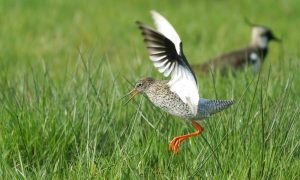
232, 60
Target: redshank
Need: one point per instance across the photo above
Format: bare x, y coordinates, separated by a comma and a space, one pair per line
179, 95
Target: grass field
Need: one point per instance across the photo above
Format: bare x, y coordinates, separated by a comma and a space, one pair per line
65, 64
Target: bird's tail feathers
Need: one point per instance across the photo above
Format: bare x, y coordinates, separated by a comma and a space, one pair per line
214, 106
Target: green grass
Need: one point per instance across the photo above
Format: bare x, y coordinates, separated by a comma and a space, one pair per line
65, 65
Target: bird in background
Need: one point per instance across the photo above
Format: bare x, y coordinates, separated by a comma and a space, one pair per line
253, 55
179, 95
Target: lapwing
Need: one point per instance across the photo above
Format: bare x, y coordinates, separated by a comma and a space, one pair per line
253, 55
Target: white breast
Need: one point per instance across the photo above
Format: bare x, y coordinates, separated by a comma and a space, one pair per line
255, 61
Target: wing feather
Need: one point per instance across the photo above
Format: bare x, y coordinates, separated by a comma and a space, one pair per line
165, 50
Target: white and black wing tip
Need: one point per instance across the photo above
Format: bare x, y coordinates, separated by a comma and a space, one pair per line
170, 61
165, 27
161, 50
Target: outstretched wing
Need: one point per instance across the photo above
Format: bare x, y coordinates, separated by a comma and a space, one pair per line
165, 50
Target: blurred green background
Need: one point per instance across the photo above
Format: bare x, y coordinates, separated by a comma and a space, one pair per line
53, 31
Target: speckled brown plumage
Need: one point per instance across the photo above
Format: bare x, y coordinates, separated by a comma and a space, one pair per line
159, 93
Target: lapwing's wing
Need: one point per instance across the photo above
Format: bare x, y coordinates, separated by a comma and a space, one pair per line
165, 50
238, 58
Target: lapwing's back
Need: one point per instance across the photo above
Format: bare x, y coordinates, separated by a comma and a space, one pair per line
232, 60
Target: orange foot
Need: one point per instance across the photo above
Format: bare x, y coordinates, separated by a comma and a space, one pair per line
175, 143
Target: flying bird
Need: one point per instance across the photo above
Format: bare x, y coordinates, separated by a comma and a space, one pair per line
179, 95
253, 55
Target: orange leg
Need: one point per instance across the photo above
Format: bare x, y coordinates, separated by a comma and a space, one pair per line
175, 143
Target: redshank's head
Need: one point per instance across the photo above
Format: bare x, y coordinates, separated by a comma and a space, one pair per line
141, 86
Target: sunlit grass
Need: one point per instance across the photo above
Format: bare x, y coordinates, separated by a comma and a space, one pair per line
65, 66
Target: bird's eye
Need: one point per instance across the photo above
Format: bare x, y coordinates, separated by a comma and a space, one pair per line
139, 85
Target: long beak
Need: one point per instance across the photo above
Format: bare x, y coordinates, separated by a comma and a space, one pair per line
134, 92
